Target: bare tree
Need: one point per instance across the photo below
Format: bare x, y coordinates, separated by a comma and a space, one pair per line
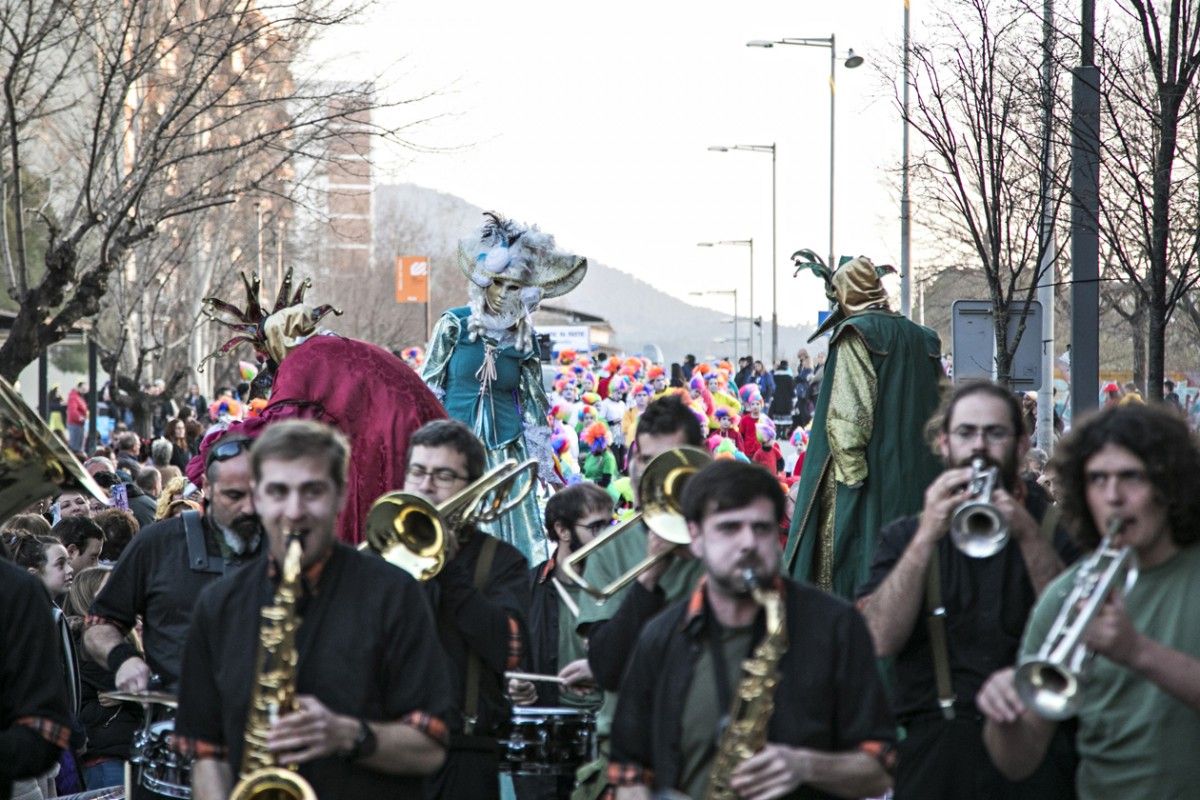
1150, 180
142, 117
977, 106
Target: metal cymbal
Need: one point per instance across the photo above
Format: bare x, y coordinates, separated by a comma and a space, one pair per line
160, 698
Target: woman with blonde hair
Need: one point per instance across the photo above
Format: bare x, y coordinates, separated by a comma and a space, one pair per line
172, 503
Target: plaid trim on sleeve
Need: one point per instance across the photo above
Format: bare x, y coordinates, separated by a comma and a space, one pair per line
883, 752
53, 732
429, 725
629, 774
189, 747
514, 645
92, 620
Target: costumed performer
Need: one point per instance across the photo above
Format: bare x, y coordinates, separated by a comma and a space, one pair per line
867, 461
305, 372
482, 360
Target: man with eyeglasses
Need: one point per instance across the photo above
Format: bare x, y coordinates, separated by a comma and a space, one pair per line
480, 601
574, 517
950, 620
161, 572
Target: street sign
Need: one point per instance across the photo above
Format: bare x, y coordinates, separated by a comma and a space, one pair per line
574, 337
973, 334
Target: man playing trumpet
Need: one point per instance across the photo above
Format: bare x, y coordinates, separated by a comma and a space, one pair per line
950, 619
1135, 468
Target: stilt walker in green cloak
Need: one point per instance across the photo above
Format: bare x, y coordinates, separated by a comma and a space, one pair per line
868, 461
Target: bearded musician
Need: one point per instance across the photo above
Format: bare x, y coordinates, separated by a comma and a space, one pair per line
950, 619
828, 729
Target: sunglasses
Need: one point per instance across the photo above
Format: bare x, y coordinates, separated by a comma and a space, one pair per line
227, 449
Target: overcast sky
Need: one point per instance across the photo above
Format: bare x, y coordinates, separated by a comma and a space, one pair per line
593, 120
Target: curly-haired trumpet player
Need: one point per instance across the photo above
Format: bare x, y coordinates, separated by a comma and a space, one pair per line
1139, 703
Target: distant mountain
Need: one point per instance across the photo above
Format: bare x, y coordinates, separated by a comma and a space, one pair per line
430, 221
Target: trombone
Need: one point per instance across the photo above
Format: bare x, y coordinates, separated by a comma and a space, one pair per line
978, 529
659, 490
1049, 682
412, 533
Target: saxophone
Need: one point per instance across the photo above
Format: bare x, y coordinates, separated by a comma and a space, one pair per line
261, 778
754, 701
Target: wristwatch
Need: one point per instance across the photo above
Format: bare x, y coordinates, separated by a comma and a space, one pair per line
364, 744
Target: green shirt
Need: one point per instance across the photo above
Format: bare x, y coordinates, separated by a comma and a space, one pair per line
571, 647
1135, 740
702, 711
606, 565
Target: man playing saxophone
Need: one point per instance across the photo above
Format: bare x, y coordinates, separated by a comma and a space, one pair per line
824, 730
951, 613
1139, 703
371, 689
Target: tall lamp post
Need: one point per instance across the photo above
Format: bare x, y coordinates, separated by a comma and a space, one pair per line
741, 243
766, 148
735, 314
852, 61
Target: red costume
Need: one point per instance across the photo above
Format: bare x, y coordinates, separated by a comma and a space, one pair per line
748, 427
368, 394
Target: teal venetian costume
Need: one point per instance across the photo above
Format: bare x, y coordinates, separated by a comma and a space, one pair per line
496, 389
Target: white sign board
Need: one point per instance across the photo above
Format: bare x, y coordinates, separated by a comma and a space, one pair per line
573, 337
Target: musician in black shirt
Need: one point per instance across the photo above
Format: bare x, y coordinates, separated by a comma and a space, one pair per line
829, 732
480, 601
34, 722
370, 681
165, 566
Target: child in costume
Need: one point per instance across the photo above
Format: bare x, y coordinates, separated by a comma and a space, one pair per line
752, 406
612, 411
599, 464
769, 453
482, 360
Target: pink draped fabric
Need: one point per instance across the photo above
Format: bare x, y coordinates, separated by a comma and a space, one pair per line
371, 396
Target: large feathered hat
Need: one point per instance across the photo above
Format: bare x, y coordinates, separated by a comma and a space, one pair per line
508, 249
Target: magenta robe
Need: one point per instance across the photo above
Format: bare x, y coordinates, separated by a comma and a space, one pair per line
368, 394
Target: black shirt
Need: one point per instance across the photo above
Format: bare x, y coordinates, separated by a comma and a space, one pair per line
366, 648
34, 722
987, 602
152, 579
490, 623
829, 698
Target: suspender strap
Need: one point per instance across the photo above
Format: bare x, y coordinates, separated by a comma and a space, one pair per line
937, 636
487, 553
198, 558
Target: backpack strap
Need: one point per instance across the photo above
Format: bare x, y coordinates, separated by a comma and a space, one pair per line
198, 558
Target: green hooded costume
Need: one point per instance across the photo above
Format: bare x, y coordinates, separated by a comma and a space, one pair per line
868, 461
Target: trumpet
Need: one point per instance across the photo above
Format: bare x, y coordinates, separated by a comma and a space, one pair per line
412, 533
1049, 682
978, 529
659, 490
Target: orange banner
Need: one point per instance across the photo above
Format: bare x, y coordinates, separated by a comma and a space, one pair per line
412, 279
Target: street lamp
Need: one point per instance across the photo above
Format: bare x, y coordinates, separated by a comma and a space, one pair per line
852, 60
735, 316
740, 243
766, 148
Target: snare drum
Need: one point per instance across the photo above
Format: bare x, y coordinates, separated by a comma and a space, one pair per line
548, 741
159, 767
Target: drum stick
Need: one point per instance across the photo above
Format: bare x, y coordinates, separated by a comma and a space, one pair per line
534, 677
